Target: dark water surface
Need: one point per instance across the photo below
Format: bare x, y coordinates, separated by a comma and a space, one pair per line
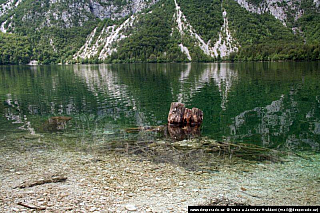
274, 105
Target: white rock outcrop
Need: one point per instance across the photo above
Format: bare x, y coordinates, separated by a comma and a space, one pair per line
277, 8
225, 45
8, 5
2, 27
71, 13
104, 44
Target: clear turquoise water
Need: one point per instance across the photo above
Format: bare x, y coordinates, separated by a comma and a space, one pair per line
275, 105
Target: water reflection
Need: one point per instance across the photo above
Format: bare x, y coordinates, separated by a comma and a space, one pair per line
288, 119
177, 132
113, 97
269, 104
223, 76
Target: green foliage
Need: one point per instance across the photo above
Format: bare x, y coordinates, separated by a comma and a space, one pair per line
204, 15
54, 41
250, 28
150, 41
14, 49
264, 38
276, 52
55, 45
31, 15
309, 22
31, 20
154, 37
310, 25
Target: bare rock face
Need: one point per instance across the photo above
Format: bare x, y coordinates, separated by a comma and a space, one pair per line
181, 115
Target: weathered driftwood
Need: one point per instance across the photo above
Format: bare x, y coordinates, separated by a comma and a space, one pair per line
176, 113
181, 115
52, 179
197, 116
31, 206
187, 116
146, 129
247, 151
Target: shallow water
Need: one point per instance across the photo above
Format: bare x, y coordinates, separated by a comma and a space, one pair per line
112, 107
275, 105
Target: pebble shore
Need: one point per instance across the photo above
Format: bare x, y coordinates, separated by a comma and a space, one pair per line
113, 182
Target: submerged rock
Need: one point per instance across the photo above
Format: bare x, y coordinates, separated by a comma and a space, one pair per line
107, 132
32, 136
187, 144
131, 207
56, 123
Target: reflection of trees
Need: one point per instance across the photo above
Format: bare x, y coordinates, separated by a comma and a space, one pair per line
114, 98
39, 90
191, 83
275, 114
33, 94
272, 103
279, 120
13, 113
148, 89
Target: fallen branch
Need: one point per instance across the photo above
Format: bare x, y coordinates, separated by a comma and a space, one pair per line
52, 179
248, 151
251, 195
30, 206
145, 128
304, 157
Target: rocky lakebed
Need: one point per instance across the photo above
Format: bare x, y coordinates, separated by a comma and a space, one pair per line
70, 174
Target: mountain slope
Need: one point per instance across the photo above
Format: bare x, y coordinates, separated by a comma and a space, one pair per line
164, 30
194, 30
163, 34
65, 13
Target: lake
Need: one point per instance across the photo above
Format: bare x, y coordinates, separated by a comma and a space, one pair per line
274, 104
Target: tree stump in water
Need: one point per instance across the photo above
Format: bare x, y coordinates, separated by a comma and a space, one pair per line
54, 124
181, 115
176, 113
187, 116
197, 116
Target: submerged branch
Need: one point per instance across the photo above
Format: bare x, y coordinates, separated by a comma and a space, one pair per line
30, 206
52, 179
248, 151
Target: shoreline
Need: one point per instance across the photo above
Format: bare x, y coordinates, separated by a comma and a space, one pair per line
103, 182
166, 62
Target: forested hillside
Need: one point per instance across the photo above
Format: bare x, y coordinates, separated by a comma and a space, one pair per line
73, 31
14, 49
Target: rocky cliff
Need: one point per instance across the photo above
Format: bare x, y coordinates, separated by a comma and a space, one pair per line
67, 13
130, 29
